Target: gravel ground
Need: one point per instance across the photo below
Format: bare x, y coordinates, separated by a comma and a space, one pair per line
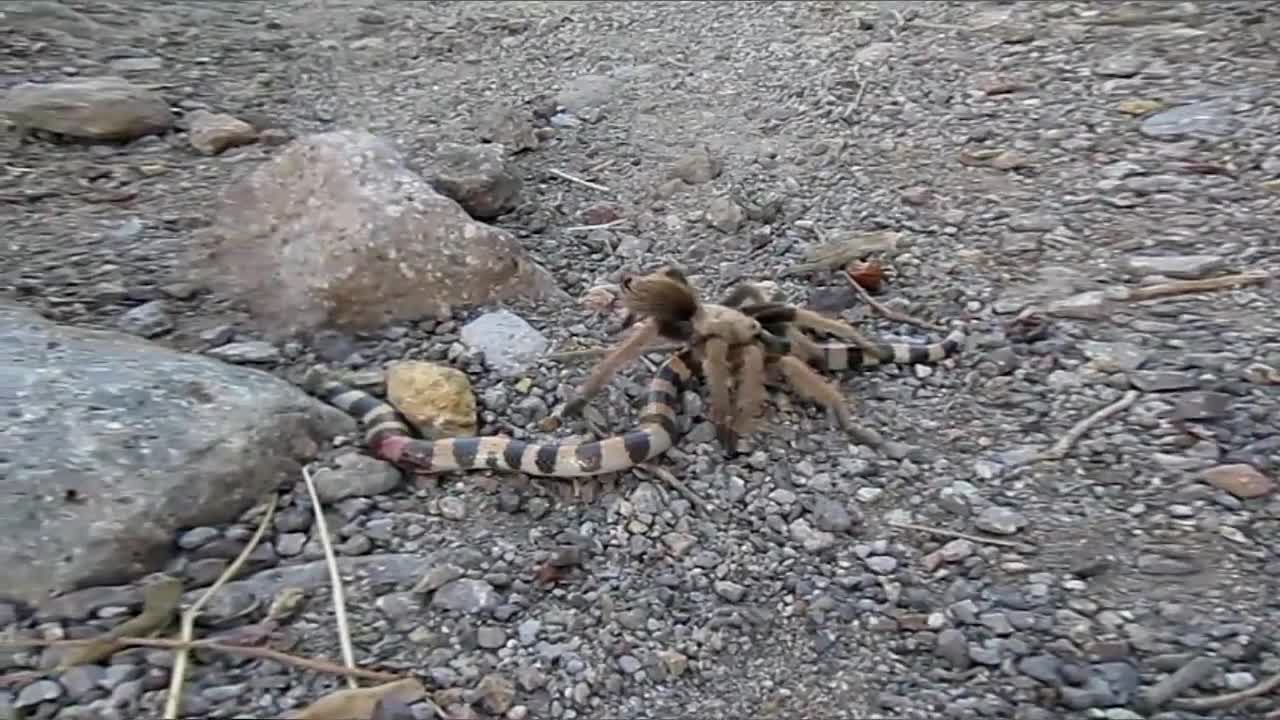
1018, 151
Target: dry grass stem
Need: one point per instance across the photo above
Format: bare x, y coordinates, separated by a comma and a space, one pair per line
941, 532
601, 226
885, 311
578, 181
1059, 449
279, 656
177, 675
1218, 702
1186, 287
335, 580
678, 485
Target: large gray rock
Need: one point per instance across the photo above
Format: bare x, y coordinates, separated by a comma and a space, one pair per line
94, 108
110, 443
337, 232
477, 177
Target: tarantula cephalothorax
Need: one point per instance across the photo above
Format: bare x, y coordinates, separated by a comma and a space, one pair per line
738, 343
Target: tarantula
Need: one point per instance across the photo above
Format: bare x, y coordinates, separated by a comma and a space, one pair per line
737, 341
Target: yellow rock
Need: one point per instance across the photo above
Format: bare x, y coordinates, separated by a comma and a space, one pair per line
1271, 186
1140, 107
676, 662
435, 399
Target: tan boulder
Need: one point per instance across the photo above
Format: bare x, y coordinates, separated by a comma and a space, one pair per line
437, 400
337, 232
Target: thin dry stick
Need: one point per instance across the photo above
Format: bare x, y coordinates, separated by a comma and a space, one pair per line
676, 483
885, 311
962, 536
335, 581
601, 226
1059, 449
230, 649
177, 676
577, 180
1184, 287
862, 88
1228, 699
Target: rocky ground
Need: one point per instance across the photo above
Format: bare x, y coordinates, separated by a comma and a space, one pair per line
1021, 154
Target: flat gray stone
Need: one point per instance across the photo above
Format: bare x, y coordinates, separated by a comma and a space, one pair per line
93, 108
110, 444
1210, 117
508, 342
1187, 267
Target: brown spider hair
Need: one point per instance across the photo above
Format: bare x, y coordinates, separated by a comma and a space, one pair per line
726, 343
745, 340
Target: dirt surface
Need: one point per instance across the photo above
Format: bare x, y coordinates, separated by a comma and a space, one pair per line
1019, 152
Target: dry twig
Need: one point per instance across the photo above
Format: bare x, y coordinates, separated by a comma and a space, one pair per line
601, 226
678, 485
335, 581
862, 88
1186, 287
941, 532
281, 657
888, 312
577, 180
1218, 702
178, 674
1059, 449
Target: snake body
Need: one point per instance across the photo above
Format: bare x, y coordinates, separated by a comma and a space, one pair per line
388, 437
836, 357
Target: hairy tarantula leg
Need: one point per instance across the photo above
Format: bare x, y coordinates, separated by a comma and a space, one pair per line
751, 389
625, 353
806, 381
802, 346
716, 370
774, 313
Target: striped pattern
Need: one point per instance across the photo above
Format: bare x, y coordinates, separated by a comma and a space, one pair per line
389, 438
843, 356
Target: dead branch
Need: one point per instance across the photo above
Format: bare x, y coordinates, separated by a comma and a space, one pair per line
601, 226
578, 181
1059, 449
886, 312
941, 532
1186, 287
230, 649
1218, 702
678, 485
